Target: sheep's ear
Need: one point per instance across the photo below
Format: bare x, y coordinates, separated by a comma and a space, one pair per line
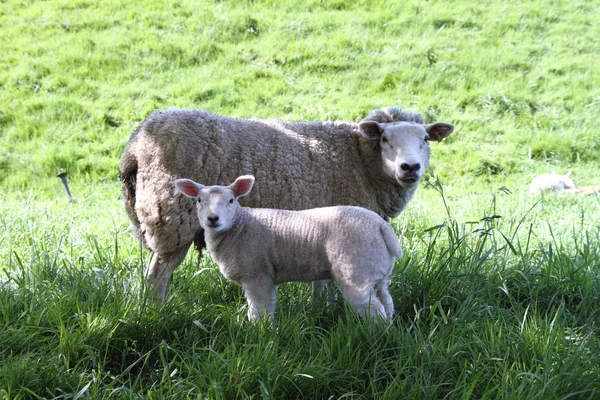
439, 130
242, 185
188, 187
371, 129
569, 174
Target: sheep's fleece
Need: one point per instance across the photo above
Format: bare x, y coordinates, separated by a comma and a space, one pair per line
553, 182
259, 248
375, 164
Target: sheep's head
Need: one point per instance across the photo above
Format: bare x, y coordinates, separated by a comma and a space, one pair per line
567, 181
404, 147
216, 205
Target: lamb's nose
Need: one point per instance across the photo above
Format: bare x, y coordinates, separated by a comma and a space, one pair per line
213, 219
410, 167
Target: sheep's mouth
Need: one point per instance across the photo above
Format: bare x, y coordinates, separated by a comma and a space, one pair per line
409, 180
213, 225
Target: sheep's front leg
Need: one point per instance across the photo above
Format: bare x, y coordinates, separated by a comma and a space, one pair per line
262, 297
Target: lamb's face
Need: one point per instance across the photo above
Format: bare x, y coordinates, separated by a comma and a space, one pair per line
216, 207
405, 147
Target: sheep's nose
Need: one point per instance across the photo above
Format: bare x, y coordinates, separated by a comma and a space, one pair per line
410, 167
213, 219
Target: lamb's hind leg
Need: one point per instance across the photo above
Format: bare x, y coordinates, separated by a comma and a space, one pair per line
158, 274
383, 293
364, 300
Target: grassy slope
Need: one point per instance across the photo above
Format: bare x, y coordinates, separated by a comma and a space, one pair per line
518, 81
502, 307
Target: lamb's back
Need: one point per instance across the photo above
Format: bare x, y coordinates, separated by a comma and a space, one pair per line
302, 245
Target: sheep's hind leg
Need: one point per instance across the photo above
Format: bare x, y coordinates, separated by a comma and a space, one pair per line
323, 288
317, 289
158, 274
262, 297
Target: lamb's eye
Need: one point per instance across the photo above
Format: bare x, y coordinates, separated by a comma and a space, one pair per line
231, 201
199, 201
384, 139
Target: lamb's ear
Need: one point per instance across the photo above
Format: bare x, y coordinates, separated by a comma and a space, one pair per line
188, 187
568, 175
439, 130
242, 185
371, 129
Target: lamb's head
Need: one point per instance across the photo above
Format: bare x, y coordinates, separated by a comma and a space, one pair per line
404, 147
216, 205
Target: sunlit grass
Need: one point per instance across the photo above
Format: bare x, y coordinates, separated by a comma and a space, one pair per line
497, 295
517, 80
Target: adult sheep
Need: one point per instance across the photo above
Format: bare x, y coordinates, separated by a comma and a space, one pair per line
376, 164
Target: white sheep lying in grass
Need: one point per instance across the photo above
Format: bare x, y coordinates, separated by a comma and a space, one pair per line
553, 182
259, 248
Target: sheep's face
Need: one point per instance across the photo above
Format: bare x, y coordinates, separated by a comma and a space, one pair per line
567, 181
216, 205
404, 147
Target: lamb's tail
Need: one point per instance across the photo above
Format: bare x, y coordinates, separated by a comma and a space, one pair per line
128, 168
391, 241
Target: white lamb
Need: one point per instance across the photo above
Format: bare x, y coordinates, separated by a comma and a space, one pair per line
259, 248
553, 182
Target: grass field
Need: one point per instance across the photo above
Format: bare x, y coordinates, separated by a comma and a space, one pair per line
498, 295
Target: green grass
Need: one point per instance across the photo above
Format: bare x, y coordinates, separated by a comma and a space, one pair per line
498, 295
496, 306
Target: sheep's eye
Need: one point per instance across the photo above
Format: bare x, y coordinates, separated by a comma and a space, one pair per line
384, 139
199, 201
231, 201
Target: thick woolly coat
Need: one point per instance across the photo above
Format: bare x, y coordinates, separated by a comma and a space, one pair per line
297, 165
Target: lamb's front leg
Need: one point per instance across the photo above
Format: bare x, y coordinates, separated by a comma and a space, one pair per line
262, 297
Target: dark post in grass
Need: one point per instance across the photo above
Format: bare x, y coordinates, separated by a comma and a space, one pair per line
63, 178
